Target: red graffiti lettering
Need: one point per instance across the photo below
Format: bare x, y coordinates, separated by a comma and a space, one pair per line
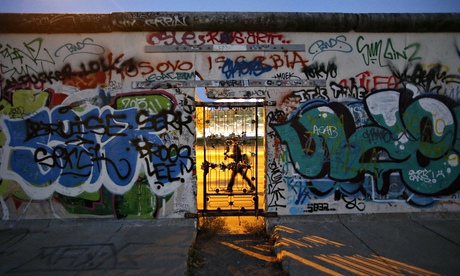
215, 37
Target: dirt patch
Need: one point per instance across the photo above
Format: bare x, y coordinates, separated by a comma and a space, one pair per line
219, 251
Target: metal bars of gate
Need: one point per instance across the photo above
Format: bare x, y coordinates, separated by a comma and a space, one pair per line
225, 127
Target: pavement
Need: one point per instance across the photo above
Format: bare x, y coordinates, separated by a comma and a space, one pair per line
380, 244
96, 246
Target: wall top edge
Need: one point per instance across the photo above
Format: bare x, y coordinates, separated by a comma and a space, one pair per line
227, 21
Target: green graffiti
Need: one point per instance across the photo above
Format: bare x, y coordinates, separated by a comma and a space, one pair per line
415, 137
97, 203
139, 202
25, 102
154, 102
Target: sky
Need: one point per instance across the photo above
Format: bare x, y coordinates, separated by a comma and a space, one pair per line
342, 6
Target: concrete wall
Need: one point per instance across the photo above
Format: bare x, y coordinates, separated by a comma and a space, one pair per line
363, 117
381, 136
77, 140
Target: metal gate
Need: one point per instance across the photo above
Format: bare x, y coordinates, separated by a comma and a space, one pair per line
230, 168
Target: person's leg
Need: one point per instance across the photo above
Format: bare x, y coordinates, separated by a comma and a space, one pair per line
245, 177
232, 181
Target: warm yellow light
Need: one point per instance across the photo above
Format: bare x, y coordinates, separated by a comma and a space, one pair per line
317, 240
308, 263
259, 256
286, 229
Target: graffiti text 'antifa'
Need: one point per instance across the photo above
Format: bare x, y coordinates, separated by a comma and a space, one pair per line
74, 150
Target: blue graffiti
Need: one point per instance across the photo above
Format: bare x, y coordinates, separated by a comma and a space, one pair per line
338, 44
241, 68
80, 151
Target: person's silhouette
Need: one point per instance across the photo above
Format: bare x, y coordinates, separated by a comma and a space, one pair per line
239, 166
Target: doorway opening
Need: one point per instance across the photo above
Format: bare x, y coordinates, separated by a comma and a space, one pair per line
230, 157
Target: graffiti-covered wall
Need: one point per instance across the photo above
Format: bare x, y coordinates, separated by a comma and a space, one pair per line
380, 136
101, 122
77, 140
